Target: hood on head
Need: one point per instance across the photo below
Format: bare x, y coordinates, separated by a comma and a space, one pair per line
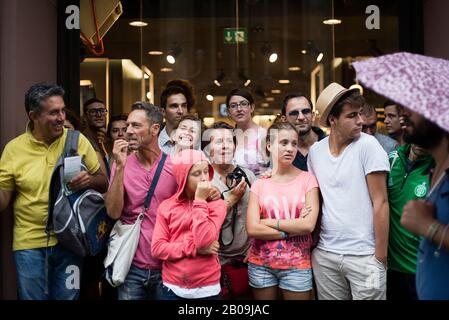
183, 162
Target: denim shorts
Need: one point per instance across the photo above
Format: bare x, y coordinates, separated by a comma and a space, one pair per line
295, 280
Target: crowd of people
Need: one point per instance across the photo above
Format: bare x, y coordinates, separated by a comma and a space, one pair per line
245, 212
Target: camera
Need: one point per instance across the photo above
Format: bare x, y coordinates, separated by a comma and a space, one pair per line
233, 178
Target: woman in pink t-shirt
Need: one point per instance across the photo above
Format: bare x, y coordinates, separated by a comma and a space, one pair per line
282, 213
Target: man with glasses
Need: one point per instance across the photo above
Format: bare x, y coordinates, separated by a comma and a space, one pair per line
369, 126
95, 125
297, 109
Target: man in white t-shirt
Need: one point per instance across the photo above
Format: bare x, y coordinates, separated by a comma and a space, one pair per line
351, 168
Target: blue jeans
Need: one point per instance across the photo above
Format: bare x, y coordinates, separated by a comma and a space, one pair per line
141, 284
63, 278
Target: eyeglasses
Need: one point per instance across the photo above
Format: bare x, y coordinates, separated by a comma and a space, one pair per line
100, 112
244, 104
295, 113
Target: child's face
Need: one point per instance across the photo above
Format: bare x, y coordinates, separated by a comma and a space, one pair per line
187, 134
284, 146
199, 172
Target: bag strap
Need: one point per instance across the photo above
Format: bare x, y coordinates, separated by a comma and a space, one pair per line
71, 143
156, 176
70, 148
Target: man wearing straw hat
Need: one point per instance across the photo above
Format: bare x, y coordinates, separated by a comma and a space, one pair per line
349, 261
420, 85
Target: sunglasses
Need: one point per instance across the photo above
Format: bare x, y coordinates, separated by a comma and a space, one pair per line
295, 113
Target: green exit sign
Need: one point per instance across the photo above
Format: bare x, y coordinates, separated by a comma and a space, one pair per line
235, 35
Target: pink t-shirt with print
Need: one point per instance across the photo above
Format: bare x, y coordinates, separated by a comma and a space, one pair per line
283, 200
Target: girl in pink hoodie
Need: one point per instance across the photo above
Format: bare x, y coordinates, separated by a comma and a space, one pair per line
187, 229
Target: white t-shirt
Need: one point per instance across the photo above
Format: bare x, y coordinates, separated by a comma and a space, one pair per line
347, 223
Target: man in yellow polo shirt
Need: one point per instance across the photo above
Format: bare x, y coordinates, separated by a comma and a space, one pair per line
44, 270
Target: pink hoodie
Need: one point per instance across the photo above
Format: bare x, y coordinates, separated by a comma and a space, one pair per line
183, 226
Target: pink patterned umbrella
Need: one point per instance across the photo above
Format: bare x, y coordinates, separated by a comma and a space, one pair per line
417, 82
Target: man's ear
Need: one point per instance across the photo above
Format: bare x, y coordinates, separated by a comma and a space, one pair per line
33, 115
162, 111
155, 128
283, 118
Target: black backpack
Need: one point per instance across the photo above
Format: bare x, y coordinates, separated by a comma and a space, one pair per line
79, 220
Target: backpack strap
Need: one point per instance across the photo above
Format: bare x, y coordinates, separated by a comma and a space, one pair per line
71, 143
70, 149
156, 176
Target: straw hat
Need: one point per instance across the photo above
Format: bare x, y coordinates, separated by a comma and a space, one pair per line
328, 98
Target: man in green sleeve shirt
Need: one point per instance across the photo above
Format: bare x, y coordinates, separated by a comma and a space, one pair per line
408, 180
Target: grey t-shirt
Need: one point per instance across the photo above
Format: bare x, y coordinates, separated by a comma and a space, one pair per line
234, 238
386, 142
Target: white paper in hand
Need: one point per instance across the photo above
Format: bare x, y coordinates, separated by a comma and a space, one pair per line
72, 168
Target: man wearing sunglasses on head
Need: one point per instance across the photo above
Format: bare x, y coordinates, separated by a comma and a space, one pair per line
297, 109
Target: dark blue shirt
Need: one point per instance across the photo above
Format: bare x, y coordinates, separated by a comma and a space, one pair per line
432, 272
300, 161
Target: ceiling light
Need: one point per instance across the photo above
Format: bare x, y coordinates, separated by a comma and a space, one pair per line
294, 69
155, 53
149, 95
284, 81
275, 91
173, 53
85, 83
219, 78
265, 104
166, 69
320, 57
138, 24
332, 21
267, 52
269, 98
246, 80
303, 51
210, 97
171, 59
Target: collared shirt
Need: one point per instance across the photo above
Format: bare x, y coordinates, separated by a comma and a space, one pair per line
26, 166
165, 143
300, 161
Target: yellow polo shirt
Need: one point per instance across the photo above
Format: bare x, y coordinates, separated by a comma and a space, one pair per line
26, 166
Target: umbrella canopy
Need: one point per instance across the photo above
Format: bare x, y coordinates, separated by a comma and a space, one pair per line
417, 82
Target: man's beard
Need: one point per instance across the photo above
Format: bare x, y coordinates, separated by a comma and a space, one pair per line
426, 134
303, 133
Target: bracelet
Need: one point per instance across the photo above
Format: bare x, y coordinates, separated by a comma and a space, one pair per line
433, 228
284, 235
277, 225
